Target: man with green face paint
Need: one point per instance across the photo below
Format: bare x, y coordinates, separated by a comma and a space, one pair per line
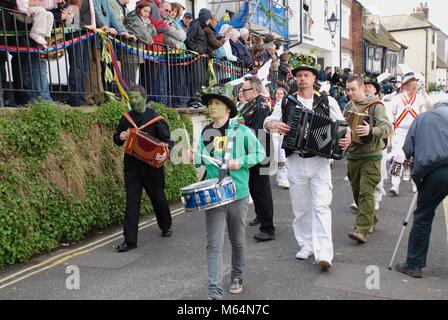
139, 175
246, 152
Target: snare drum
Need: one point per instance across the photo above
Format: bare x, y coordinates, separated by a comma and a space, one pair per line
208, 194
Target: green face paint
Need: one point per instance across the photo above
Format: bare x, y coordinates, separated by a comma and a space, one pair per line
137, 101
217, 109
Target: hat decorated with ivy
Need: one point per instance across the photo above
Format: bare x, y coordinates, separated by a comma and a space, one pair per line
222, 92
303, 62
369, 79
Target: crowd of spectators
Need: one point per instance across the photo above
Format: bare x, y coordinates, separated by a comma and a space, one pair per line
154, 25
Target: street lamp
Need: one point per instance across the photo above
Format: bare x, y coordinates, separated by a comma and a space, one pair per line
332, 24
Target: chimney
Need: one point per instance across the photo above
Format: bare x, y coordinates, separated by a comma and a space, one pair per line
421, 12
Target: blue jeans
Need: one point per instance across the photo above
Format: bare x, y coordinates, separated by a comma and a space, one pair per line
78, 59
36, 78
154, 76
234, 215
179, 86
431, 193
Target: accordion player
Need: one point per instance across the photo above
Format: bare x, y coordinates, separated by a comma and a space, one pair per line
313, 132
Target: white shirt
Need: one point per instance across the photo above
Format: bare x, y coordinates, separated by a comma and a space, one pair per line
396, 107
335, 110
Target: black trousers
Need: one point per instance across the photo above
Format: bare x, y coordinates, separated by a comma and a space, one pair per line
154, 186
260, 190
431, 193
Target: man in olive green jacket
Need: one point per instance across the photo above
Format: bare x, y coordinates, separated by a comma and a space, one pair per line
364, 158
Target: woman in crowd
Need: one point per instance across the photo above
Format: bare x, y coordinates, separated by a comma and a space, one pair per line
225, 52
138, 23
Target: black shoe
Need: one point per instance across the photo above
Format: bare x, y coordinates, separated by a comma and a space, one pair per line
254, 222
167, 233
11, 104
125, 247
413, 272
76, 102
262, 236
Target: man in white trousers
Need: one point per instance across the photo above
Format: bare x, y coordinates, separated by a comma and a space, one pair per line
404, 108
309, 175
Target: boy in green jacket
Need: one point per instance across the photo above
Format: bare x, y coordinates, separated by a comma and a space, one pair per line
364, 159
246, 152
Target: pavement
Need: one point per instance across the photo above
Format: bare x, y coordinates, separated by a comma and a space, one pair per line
176, 267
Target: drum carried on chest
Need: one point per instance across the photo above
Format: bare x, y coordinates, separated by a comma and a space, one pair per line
208, 194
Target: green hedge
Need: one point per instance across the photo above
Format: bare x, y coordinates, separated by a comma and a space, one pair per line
61, 176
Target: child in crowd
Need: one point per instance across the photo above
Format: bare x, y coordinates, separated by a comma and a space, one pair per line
35, 12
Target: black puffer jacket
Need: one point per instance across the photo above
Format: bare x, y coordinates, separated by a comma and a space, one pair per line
196, 39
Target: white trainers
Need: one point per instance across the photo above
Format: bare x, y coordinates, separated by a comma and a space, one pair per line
377, 205
284, 184
354, 207
303, 254
406, 175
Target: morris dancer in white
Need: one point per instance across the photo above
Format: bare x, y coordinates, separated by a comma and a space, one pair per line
277, 139
309, 176
404, 108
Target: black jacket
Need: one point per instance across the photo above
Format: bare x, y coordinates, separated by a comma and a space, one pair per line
254, 114
196, 40
158, 130
240, 50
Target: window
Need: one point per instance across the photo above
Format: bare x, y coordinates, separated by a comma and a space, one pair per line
433, 61
307, 20
434, 37
378, 53
345, 22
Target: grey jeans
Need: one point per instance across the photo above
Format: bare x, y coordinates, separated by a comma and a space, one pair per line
234, 215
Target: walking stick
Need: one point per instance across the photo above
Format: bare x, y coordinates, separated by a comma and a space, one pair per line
405, 223
445, 206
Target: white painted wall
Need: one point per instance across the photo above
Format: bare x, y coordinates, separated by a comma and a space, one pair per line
320, 35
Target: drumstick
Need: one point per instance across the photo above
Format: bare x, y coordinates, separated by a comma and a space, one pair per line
214, 161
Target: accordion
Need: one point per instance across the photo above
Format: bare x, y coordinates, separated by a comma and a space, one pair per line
144, 147
313, 132
355, 119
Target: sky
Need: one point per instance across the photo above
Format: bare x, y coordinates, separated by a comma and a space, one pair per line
437, 9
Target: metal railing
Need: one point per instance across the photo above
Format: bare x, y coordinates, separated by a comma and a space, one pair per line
80, 65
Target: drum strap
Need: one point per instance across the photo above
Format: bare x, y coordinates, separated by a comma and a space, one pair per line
230, 140
156, 119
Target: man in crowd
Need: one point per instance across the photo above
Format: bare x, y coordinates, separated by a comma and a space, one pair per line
426, 147
404, 108
186, 21
254, 113
139, 175
309, 175
364, 155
